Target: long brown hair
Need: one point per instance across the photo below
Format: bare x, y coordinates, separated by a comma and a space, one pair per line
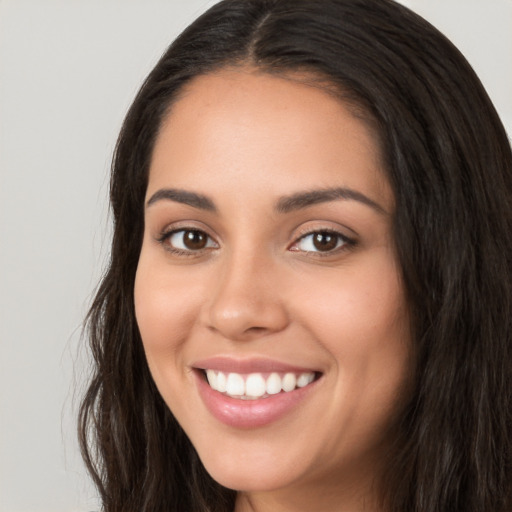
450, 165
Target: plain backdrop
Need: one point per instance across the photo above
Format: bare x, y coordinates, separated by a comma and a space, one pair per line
68, 71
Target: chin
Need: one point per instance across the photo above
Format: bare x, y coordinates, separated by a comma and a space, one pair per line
234, 475
254, 467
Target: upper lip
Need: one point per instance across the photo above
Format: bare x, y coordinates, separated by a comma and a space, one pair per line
251, 365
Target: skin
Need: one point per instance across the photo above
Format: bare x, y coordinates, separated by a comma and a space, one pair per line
260, 288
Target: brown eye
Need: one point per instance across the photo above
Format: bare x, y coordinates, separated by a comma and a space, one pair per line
325, 241
194, 240
321, 242
188, 240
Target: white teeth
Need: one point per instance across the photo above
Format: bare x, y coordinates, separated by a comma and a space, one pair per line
235, 384
289, 382
305, 379
274, 384
254, 385
212, 378
221, 382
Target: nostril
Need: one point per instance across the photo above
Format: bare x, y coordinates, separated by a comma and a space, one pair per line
256, 329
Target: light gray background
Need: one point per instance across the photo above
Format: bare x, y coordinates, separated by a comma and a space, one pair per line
68, 71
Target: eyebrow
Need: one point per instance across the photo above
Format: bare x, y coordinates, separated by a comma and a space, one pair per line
182, 196
309, 198
285, 204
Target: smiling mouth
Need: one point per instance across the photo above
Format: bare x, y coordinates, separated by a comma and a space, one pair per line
254, 386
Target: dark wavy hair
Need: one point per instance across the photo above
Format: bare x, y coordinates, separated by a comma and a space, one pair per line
449, 163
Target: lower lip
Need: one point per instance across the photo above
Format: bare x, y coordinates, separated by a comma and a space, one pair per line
250, 413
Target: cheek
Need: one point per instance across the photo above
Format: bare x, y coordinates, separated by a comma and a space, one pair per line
360, 318
358, 310
365, 329
165, 308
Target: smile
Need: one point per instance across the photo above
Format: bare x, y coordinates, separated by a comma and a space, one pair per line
253, 393
256, 385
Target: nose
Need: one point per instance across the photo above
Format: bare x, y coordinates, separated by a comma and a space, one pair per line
247, 301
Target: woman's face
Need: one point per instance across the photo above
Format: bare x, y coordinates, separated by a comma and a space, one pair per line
268, 264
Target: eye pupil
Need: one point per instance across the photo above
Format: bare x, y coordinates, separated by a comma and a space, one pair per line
324, 241
195, 240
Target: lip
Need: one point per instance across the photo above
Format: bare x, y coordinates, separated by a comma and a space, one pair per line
249, 414
253, 365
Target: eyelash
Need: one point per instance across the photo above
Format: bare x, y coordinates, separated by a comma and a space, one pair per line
165, 237
343, 242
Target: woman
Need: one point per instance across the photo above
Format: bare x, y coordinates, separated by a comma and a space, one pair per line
307, 306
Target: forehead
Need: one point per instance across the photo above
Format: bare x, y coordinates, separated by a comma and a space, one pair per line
264, 131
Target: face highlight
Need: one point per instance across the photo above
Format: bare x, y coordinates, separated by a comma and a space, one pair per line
267, 294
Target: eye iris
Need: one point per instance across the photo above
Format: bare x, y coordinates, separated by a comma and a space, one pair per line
194, 240
325, 241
